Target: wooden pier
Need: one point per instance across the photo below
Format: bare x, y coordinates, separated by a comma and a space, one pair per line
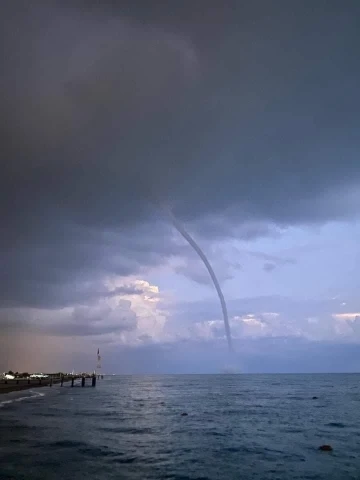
83, 378
16, 384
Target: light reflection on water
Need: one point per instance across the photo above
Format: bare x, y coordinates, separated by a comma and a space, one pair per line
238, 426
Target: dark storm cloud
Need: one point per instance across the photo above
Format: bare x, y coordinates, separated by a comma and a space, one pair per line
217, 227
55, 272
248, 108
97, 320
84, 322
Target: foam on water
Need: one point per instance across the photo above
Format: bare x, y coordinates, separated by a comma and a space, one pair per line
20, 399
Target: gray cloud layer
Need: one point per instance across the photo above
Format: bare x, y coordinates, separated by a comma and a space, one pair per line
248, 112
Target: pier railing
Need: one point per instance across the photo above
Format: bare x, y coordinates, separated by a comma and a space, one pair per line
25, 383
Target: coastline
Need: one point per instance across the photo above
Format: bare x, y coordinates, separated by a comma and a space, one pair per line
9, 386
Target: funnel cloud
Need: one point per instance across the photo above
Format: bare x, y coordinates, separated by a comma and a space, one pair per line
180, 228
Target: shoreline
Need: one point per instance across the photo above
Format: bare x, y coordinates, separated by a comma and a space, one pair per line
10, 386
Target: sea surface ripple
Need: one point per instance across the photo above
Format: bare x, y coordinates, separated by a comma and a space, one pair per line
238, 427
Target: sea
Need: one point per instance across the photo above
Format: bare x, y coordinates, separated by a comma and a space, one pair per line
134, 427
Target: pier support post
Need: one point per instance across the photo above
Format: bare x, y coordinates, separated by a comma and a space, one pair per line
83, 381
72, 381
93, 383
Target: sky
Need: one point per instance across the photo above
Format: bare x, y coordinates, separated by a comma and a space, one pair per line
240, 117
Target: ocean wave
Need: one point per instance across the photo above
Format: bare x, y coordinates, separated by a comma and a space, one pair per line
102, 434
20, 399
335, 425
130, 430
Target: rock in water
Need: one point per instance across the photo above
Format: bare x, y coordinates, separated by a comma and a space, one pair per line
326, 448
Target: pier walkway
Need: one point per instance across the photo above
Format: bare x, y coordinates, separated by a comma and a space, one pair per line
16, 384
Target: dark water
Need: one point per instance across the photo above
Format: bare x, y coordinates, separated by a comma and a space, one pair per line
238, 427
